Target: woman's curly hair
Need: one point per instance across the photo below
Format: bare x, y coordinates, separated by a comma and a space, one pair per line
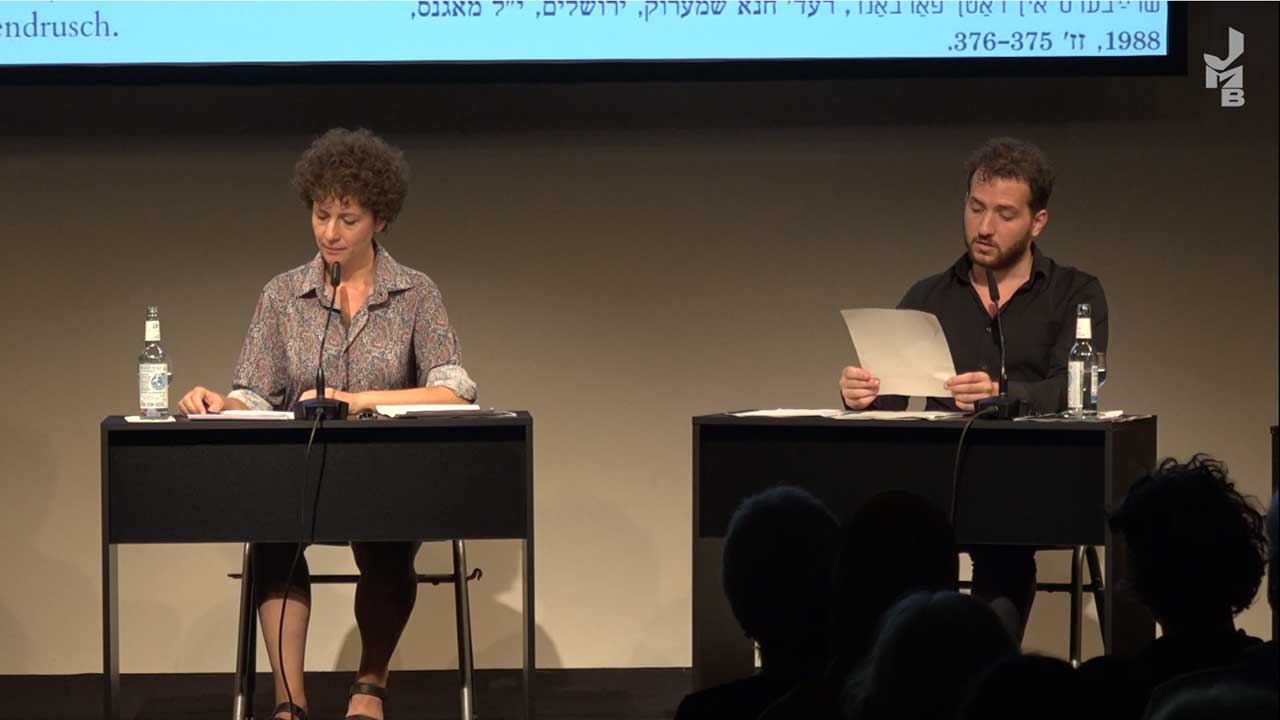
1197, 547
353, 165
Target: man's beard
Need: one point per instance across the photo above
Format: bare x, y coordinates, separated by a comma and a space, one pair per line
1004, 259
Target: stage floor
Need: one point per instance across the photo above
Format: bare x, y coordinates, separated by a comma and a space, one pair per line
623, 694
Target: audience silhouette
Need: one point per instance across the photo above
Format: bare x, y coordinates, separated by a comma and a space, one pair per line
1197, 553
1257, 667
1023, 686
776, 571
895, 544
929, 648
1220, 702
862, 622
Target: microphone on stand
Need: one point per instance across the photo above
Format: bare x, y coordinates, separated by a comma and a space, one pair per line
1006, 407
321, 406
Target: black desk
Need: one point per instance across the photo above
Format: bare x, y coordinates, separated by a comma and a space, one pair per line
1022, 483
235, 481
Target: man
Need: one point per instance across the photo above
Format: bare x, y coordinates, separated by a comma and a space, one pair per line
1005, 211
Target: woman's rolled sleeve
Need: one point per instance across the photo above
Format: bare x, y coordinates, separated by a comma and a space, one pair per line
251, 399
453, 377
436, 348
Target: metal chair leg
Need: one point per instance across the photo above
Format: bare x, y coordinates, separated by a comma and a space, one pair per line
462, 605
1099, 591
1077, 602
246, 642
251, 648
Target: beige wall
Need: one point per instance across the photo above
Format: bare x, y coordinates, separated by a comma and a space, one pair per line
617, 258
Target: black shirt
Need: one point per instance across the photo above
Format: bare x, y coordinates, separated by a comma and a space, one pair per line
1039, 329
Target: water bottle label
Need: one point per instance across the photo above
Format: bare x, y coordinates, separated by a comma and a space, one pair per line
153, 386
1075, 382
153, 331
1084, 329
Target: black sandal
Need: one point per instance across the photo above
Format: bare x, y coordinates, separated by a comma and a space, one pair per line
366, 689
295, 712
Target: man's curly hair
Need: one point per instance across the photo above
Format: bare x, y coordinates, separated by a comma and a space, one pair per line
353, 165
1007, 158
1197, 547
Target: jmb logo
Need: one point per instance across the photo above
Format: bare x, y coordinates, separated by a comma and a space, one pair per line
1218, 72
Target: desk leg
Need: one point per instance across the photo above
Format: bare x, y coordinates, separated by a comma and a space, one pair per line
110, 635
721, 652
529, 631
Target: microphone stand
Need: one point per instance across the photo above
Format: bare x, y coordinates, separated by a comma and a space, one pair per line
320, 406
1006, 408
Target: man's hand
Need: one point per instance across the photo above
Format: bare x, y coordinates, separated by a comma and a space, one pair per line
857, 388
969, 388
200, 401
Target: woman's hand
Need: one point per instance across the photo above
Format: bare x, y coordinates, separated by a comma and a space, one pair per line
201, 400
355, 401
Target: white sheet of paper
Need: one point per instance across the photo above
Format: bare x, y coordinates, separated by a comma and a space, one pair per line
398, 410
139, 418
900, 415
245, 415
788, 413
905, 349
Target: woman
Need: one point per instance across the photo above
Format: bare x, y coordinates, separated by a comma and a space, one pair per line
394, 345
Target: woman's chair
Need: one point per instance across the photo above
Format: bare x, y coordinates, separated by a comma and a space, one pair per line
247, 641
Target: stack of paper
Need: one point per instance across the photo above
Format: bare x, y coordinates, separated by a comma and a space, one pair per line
402, 410
245, 415
1066, 416
900, 415
787, 413
396, 411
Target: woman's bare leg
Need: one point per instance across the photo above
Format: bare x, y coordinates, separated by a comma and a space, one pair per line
271, 569
385, 596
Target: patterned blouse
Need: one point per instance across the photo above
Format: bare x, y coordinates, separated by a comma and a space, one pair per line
400, 338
